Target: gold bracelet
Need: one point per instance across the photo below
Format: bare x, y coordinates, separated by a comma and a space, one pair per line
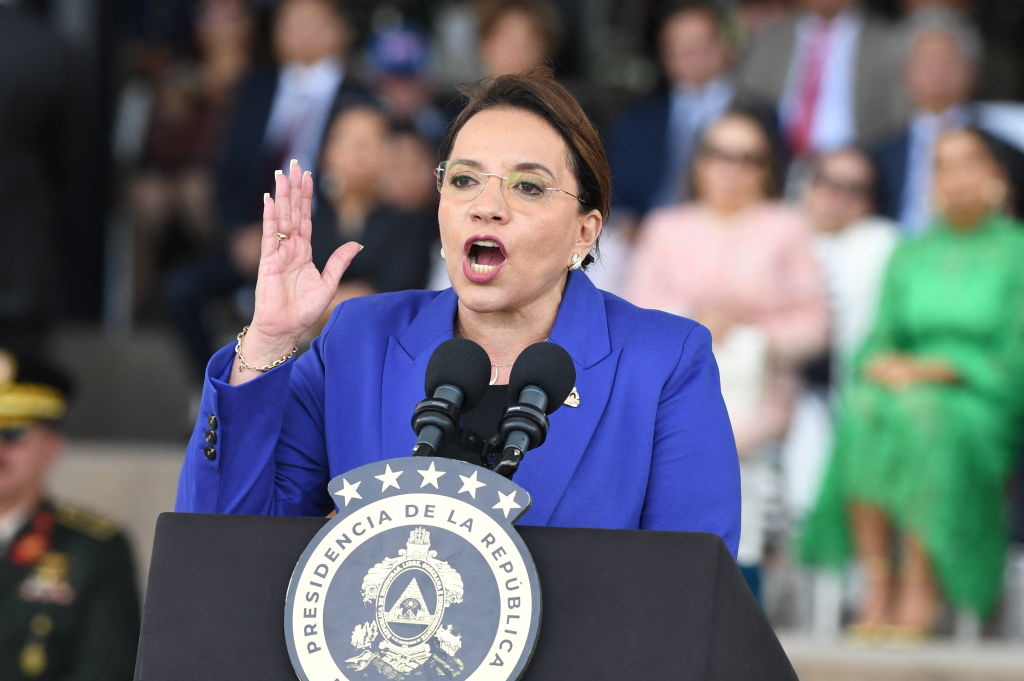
245, 365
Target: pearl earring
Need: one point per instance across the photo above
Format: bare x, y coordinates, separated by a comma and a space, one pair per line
442, 252
575, 262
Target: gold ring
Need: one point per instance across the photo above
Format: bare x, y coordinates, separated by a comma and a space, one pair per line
281, 237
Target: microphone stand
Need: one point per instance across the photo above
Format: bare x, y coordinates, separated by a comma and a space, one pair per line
524, 426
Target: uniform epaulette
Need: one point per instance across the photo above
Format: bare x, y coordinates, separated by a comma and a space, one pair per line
86, 522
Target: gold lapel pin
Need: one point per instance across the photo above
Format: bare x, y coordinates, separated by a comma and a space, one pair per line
573, 400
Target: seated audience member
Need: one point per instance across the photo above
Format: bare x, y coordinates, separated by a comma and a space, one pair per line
653, 145
377, 189
743, 264
276, 116
853, 247
69, 602
944, 55
830, 67
398, 59
516, 35
168, 188
283, 113
930, 423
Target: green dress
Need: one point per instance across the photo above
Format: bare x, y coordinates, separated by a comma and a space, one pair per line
936, 456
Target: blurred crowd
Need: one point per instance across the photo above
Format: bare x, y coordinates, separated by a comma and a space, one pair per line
820, 182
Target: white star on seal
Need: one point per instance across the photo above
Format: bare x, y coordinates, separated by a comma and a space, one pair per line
470, 484
349, 491
388, 478
431, 476
506, 502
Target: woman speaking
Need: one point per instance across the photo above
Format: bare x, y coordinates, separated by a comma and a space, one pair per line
524, 190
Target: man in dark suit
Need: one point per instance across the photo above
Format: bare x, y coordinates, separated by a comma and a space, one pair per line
832, 71
283, 113
652, 146
40, 140
939, 74
278, 115
67, 583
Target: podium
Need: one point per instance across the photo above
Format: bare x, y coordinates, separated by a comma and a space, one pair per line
616, 604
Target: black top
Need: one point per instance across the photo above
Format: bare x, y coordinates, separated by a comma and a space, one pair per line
397, 245
478, 424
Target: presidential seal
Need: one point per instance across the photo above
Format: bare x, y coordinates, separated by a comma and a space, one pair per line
419, 575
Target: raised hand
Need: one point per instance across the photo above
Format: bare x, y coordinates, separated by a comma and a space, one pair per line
291, 293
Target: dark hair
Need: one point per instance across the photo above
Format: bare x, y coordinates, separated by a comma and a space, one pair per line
1005, 159
537, 92
541, 14
819, 160
773, 161
709, 10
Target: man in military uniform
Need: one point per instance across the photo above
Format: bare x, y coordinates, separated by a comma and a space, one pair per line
69, 609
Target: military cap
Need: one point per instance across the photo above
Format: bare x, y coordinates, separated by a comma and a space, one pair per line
31, 390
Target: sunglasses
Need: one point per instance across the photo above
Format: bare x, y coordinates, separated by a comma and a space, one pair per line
13, 435
849, 188
747, 159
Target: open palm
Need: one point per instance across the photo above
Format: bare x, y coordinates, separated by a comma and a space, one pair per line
291, 293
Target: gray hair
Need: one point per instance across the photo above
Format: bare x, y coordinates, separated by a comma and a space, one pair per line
951, 23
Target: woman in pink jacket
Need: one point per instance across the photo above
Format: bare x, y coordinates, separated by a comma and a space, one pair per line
743, 264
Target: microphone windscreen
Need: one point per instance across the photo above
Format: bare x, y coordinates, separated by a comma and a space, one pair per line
462, 363
547, 366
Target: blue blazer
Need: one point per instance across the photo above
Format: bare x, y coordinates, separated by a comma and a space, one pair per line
650, 445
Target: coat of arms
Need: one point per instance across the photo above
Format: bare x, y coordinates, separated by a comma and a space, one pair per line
420, 575
407, 630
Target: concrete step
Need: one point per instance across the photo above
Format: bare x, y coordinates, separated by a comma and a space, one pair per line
129, 386
938, 660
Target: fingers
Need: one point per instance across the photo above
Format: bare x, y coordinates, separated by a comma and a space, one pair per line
281, 205
269, 223
295, 196
339, 262
306, 222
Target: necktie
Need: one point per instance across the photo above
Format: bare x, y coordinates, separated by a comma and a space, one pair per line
680, 143
813, 68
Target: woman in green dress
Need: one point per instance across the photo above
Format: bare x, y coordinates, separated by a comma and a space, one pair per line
928, 429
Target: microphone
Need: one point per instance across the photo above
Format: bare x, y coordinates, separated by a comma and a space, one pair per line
541, 379
456, 378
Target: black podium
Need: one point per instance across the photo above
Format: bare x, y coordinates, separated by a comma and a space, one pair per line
616, 604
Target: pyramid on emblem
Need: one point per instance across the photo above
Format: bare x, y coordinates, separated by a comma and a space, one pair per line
410, 608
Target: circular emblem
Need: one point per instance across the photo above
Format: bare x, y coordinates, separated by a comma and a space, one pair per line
419, 575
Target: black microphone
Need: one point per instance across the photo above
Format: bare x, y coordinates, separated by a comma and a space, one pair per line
541, 379
456, 379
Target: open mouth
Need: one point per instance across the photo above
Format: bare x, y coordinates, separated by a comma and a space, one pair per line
485, 255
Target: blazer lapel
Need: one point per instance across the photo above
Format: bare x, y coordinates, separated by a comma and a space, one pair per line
582, 329
405, 364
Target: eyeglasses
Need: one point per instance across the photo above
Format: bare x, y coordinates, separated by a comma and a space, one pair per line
464, 182
12, 435
747, 159
851, 188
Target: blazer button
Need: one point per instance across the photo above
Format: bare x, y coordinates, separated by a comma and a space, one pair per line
211, 437
211, 420
209, 452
